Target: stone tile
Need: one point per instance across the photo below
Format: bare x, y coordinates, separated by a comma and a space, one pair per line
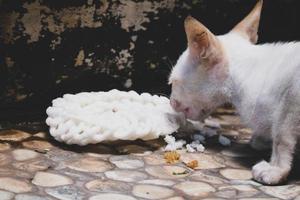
107, 186
67, 192
239, 152
245, 182
145, 153
152, 192
245, 134
30, 197
283, 192
212, 122
236, 174
123, 174
132, 149
111, 196
243, 190
37, 145
158, 182
42, 135
24, 154
4, 146
79, 176
5, 195
155, 159
258, 198
175, 198
229, 120
99, 155
168, 171
195, 189
213, 199
230, 133
32, 166
228, 194
246, 131
199, 176
9, 171
91, 164
13, 135
126, 163
47, 179
238, 163
205, 161
126, 175
3, 159
14, 185
61, 156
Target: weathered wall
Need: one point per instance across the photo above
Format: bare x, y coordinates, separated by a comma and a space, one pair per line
54, 47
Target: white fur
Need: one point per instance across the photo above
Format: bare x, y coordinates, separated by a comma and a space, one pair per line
262, 82
259, 72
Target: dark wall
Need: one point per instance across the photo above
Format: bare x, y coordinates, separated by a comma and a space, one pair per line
49, 48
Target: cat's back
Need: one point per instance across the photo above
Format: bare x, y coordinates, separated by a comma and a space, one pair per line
261, 68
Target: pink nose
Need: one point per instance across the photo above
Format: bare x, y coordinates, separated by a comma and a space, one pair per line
178, 107
175, 104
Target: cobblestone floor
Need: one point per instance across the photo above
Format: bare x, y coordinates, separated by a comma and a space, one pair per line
33, 166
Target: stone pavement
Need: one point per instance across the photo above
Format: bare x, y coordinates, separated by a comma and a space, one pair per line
33, 166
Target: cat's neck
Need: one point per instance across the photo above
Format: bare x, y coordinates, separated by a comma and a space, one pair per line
254, 70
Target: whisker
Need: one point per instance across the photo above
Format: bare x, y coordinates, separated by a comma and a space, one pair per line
170, 62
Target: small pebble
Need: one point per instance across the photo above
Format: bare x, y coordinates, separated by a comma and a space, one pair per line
224, 140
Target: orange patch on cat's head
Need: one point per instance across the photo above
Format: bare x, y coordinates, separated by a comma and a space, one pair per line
203, 44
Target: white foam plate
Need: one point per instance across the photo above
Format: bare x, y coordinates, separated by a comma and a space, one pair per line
93, 117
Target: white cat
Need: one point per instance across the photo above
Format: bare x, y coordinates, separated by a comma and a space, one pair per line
261, 81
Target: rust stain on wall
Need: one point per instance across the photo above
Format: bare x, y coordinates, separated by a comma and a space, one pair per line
8, 22
124, 59
135, 14
38, 17
100, 38
79, 59
32, 20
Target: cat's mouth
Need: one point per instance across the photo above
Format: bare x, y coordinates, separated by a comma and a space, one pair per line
191, 113
196, 114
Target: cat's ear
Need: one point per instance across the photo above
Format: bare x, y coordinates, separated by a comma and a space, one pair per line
248, 27
201, 42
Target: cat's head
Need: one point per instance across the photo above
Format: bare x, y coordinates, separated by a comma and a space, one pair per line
201, 71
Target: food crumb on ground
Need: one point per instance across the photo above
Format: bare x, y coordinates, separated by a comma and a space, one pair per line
192, 164
172, 157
